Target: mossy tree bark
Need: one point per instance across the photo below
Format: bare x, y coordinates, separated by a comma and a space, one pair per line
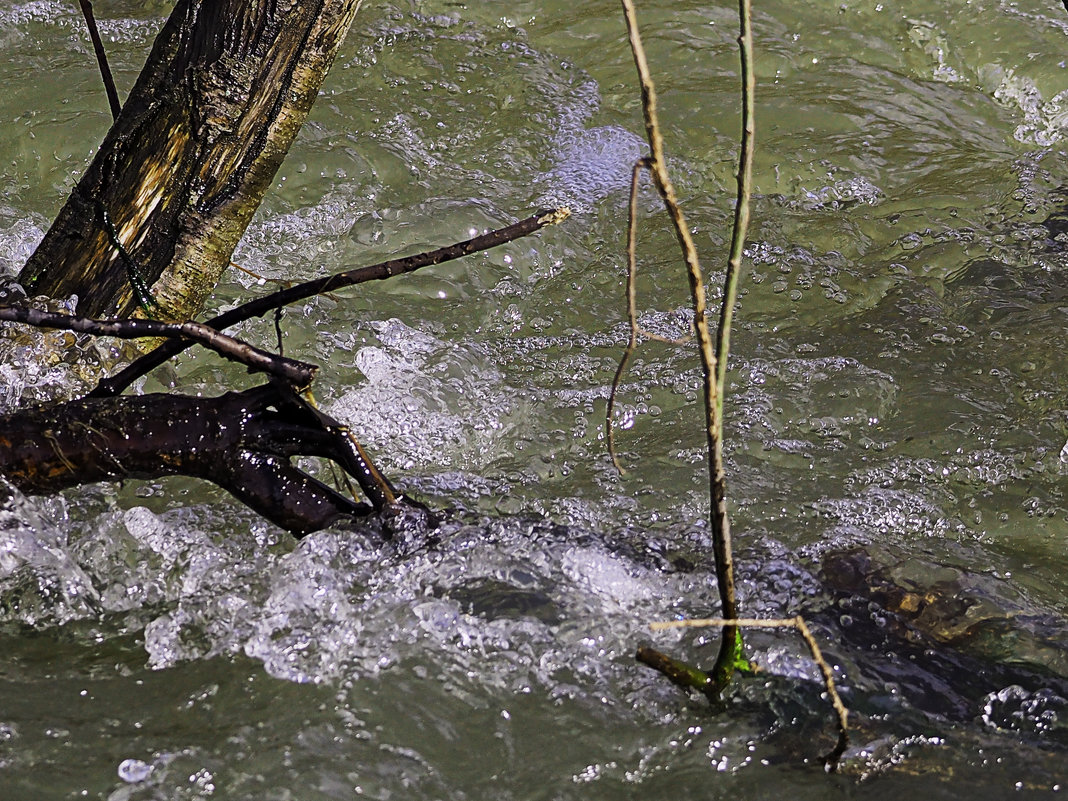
226, 88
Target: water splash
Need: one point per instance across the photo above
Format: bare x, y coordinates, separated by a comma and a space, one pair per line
1040, 712
1045, 121
428, 402
591, 165
41, 584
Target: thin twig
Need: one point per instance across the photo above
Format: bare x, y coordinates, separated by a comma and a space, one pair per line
296, 373
741, 207
798, 623
680, 672
278, 330
377, 272
686, 340
632, 311
721, 534
251, 273
636, 330
101, 58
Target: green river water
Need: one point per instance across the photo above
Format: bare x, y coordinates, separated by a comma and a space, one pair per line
897, 423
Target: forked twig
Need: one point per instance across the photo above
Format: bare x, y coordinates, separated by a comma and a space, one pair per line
711, 361
352, 457
798, 623
715, 366
377, 272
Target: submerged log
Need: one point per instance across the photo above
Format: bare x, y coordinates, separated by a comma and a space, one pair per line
155, 219
241, 441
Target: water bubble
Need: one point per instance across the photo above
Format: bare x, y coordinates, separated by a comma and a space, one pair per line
134, 770
1036, 711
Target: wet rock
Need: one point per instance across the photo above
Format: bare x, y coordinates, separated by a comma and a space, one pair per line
946, 638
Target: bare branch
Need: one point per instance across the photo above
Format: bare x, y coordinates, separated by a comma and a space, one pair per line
347, 452
377, 272
710, 360
296, 373
741, 207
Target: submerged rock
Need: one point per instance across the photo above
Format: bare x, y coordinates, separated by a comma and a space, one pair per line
946, 638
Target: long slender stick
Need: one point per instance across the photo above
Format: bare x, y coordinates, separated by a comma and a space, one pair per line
297, 373
101, 58
376, 272
636, 330
721, 533
726, 659
745, 190
632, 311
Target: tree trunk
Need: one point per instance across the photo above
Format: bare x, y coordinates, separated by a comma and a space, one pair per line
155, 219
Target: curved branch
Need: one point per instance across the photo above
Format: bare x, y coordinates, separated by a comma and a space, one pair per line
241, 441
632, 312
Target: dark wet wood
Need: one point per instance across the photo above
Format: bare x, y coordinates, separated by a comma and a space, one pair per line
241, 441
222, 96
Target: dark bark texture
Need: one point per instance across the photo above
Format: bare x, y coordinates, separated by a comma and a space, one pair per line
176, 181
241, 441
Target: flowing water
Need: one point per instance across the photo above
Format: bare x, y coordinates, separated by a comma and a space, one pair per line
897, 423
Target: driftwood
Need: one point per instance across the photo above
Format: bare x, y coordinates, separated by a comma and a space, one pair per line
147, 232
241, 441
155, 219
